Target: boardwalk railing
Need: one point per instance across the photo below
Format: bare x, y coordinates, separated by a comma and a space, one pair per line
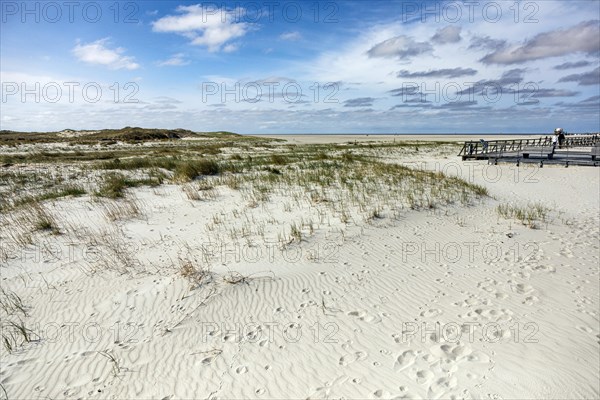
484, 149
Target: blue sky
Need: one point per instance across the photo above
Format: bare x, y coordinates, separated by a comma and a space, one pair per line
302, 67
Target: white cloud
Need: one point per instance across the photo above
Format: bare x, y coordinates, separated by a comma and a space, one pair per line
99, 54
400, 46
176, 60
583, 37
449, 34
212, 29
291, 36
230, 48
371, 58
586, 78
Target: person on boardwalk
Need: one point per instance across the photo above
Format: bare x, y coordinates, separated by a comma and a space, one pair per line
561, 139
484, 145
559, 136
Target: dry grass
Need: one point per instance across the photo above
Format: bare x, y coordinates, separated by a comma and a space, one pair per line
530, 215
235, 278
14, 331
11, 303
191, 192
108, 250
121, 210
41, 219
197, 276
16, 334
20, 226
114, 362
320, 187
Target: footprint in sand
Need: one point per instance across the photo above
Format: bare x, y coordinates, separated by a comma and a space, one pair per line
478, 357
456, 353
405, 360
207, 360
229, 338
472, 301
324, 392
584, 329
544, 268
441, 386
472, 376
405, 395
567, 252
489, 285
531, 300
241, 369
433, 312
523, 288
491, 314
424, 377
380, 393
350, 358
357, 314
253, 336
501, 296
363, 316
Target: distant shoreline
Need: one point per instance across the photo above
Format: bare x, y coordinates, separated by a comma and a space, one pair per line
368, 137
414, 134
400, 134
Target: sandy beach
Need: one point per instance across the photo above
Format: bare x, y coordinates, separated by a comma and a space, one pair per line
321, 139
245, 285
300, 200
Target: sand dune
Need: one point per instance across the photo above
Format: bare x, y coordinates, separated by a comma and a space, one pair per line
449, 302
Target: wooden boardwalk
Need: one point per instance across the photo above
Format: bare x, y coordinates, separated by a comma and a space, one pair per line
575, 150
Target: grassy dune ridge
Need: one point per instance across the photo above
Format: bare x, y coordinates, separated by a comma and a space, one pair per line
320, 187
49, 166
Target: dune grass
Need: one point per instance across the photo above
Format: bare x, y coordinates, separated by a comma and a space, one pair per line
14, 331
322, 187
113, 185
349, 183
530, 215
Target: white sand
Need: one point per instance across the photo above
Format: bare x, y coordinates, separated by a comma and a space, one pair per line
372, 313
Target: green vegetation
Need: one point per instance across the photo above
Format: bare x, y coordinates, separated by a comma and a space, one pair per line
44, 221
114, 185
187, 171
529, 215
345, 176
69, 190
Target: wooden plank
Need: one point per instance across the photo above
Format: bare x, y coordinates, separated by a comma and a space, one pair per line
595, 152
538, 151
